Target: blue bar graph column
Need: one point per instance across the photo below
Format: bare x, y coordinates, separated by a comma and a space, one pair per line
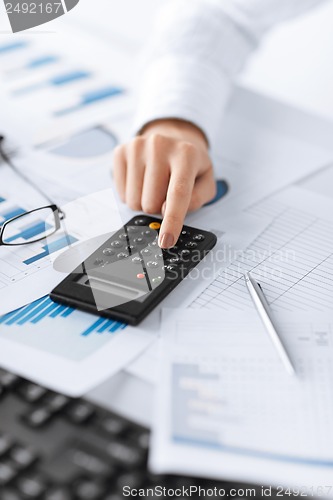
63, 242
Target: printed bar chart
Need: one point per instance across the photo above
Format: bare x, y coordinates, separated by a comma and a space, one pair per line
50, 248
45, 308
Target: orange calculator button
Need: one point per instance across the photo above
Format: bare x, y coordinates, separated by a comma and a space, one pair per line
154, 225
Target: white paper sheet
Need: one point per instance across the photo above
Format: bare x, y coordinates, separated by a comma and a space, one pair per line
27, 272
292, 258
68, 350
227, 408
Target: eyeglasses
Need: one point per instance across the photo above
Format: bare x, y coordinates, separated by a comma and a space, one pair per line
23, 228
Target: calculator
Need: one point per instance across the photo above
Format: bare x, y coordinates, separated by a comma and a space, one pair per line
129, 274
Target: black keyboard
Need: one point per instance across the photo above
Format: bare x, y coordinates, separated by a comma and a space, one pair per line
56, 448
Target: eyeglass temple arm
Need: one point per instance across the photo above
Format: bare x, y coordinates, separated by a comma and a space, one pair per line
9, 162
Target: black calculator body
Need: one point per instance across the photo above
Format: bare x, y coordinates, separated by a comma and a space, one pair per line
129, 275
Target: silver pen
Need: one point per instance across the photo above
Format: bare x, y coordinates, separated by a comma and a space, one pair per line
263, 309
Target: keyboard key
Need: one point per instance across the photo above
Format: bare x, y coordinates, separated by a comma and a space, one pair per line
32, 392
113, 426
89, 462
5, 444
58, 493
7, 472
8, 380
80, 413
114, 496
57, 402
10, 494
38, 417
32, 486
22, 457
125, 455
88, 490
134, 480
143, 440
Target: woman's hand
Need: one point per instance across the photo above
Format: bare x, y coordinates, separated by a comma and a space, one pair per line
165, 170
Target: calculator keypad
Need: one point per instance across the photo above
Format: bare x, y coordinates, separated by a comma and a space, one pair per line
135, 248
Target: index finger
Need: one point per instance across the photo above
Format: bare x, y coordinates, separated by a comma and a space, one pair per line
177, 202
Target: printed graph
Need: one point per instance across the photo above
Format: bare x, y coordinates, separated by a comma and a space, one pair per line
45, 309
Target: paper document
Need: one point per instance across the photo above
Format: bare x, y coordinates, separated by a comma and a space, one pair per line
26, 271
227, 408
238, 233
67, 350
292, 258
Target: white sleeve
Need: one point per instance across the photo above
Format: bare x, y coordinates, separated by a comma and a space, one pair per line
197, 49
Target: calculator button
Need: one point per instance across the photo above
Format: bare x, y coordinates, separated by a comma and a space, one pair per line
139, 241
154, 225
131, 248
137, 260
122, 255
140, 276
132, 229
140, 222
108, 251
152, 264
146, 251
185, 253
148, 232
99, 262
174, 260
170, 268
157, 280
191, 244
122, 236
159, 256
185, 233
116, 244
153, 244
198, 237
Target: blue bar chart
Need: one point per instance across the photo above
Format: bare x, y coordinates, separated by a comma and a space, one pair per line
11, 213
30, 231
49, 248
45, 309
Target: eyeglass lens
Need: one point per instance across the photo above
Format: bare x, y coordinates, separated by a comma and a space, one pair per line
30, 227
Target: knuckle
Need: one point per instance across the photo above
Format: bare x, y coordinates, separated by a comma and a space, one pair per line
150, 208
156, 140
181, 188
137, 144
187, 149
118, 152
